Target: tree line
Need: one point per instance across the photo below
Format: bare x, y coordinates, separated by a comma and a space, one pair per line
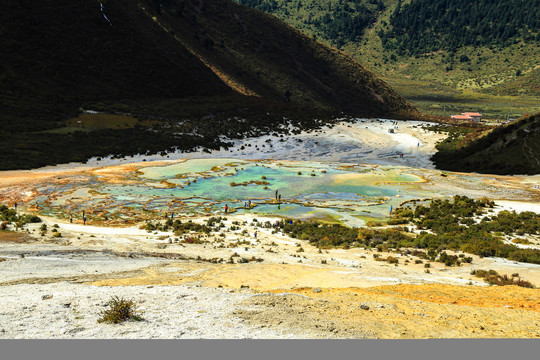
429, 25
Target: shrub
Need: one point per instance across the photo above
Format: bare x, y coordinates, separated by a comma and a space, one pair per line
494, 278
120, 310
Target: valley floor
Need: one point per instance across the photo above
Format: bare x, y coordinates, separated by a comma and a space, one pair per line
237, 285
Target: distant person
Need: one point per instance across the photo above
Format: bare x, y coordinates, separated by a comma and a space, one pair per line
84, 220
172, 215
15, 206
417, 144
226, 208
279, 197
255, 235
249, 204
71, 219
391, 208
276, 194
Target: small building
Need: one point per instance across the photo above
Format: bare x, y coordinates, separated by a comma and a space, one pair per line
461, 117
474, 115
470, 116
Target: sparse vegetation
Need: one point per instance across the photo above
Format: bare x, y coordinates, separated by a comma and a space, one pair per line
448, 230
10, 216
494, 278
120, 310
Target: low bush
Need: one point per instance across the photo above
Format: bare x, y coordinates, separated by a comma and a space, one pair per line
120, 310
494, 278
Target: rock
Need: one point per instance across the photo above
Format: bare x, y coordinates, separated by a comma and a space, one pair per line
75, 330
317, 290
46, 297
149, 286
364, 307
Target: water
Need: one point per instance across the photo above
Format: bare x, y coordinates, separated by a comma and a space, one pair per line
350, 194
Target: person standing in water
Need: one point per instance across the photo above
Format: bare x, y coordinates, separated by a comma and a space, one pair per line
226, 208
276, 194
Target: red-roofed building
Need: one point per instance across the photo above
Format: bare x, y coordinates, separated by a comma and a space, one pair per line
468, 116
475, 116
461, 117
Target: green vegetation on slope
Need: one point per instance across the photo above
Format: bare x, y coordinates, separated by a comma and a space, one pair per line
422, 26
456, 57
336, 21
510, 149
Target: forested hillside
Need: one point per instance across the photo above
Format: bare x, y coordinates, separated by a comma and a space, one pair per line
439, 54
427, 25
338, 22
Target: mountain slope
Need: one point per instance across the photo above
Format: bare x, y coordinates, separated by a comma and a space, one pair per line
265, 57
459, 44
510, 149
57, 55
180, 70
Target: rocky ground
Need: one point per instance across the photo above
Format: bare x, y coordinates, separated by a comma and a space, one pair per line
57, 288
233, 285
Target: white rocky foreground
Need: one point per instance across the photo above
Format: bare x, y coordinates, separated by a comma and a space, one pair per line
169, 312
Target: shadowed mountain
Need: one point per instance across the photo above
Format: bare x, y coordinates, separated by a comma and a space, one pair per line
59, 55
178, 69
